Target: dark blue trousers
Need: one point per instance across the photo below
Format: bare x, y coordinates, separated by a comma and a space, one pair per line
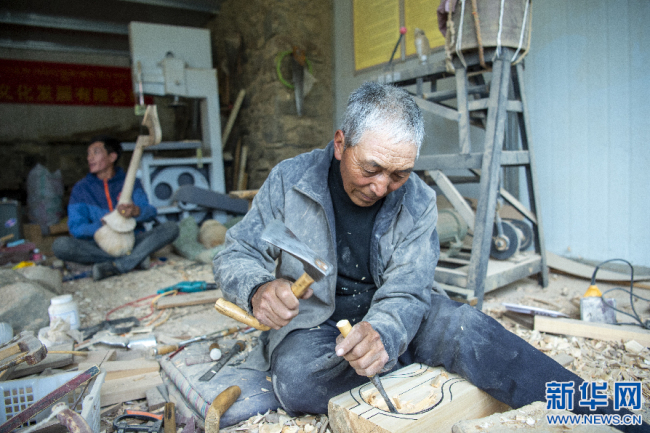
88, 252
455, 336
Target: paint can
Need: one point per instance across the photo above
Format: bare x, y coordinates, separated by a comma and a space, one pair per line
65, 308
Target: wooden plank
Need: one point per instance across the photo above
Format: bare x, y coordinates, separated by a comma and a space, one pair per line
597, 331
130, 388
502, 272
452, 400
452, 277
155, 399
198, 298
122, 369
586, 271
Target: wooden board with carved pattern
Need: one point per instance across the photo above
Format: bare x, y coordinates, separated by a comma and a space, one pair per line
428, 398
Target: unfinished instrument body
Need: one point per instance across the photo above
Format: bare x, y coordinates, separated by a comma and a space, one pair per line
427, 398
116, 236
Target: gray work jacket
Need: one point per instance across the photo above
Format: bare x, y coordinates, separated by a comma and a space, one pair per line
404, 252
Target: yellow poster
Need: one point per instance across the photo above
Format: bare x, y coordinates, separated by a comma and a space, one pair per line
376, 30
422, 14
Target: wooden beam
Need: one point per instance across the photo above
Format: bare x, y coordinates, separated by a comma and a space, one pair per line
437, 109
447, 399
597, 331
468, 160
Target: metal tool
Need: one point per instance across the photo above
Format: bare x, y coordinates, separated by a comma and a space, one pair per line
298, 75
148, 424
277, 234
237, 348
114, 326
105, 337
189, 287
345, 327
164, 349
219, 406
505, 240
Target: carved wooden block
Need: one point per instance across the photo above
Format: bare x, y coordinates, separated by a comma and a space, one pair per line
429, 399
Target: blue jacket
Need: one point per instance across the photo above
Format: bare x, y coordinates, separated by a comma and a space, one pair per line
88, 203
404, 252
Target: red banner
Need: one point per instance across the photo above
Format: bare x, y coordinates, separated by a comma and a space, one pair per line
28, 82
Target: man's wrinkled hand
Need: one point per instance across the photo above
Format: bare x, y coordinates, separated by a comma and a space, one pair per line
128, 210
363, 349
275, 305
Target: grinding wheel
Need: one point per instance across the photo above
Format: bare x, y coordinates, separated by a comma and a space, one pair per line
526, 235
504, 247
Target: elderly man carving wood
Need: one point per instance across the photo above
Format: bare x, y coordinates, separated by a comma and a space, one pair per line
357, 204
92, 198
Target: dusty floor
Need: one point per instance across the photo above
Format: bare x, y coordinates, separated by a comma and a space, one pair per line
591, 359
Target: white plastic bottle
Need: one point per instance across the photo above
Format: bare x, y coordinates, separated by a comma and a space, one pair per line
64, 307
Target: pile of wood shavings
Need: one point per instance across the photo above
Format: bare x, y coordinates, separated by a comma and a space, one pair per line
280, 422
596, 360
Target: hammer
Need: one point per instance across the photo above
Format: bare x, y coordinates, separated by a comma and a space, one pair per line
277, 234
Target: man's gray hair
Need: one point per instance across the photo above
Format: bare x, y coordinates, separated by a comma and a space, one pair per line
386, 109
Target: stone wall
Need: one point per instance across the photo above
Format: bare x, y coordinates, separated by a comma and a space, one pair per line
247, 37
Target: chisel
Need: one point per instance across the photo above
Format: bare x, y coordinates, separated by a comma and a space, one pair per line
345, 327
238, 347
